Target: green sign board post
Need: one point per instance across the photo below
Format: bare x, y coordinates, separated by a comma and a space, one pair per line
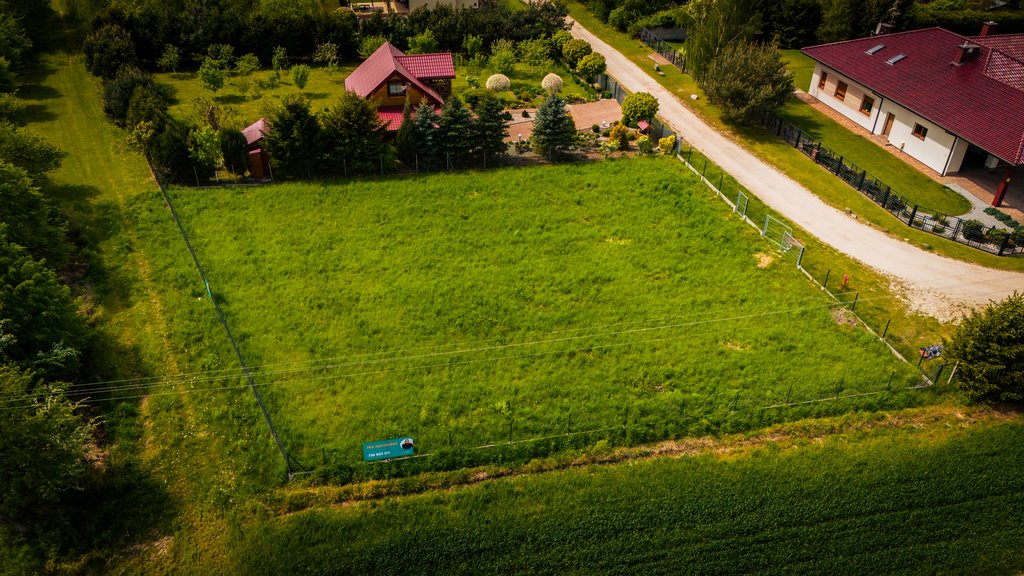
387, 449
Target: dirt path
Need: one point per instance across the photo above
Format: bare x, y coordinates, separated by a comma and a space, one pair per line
936, 285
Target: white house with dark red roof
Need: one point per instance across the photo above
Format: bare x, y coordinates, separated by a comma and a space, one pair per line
947, 100
388, 76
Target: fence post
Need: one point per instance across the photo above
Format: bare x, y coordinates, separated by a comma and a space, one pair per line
765, 231
778, 131
854, 305
886, 330
800, 259
913, 213
959, 222
825, 283
1002, 248
885, 199
863, 177
839, 165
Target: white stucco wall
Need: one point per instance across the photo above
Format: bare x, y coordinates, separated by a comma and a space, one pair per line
957, 159
933, 151
850, 105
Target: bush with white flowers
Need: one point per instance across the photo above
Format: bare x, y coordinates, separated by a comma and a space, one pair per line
498, 83
552, 83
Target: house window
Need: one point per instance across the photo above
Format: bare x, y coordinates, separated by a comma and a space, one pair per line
866, 105
920, 132
396, 88
841, 90
821, 81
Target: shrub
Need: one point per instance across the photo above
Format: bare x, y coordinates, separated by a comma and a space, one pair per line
526, 114
503, 58
474, 96
639, 106
747, 81
574, 50
108, 50
619, 136
939, 229
368, 46
498, 83
170, 59
300, 75
552, 83
559, 39
997, 236
591, 65
645, 145
117, 93
473, 81
989, 345
595, 129
233, 149
667, 145
973, 230
247, 64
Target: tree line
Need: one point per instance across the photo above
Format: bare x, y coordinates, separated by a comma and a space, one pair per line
799, 23
45, 341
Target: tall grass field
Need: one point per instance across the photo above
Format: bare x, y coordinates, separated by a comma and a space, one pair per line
616, 298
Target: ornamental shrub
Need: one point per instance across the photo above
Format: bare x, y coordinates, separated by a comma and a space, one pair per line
498, 83
552, 83
667, 145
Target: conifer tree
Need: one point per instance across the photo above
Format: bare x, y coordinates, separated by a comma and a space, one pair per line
425, 136
489, 130
553, 130
453, 130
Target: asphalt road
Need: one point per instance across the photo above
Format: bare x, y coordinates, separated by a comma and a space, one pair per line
932, 284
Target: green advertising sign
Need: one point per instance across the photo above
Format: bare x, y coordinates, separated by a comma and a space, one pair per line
387, 449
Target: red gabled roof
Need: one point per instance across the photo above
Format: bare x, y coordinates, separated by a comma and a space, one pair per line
429, 66
387, 61
963, 99
256, 131
392, 116
1005, 59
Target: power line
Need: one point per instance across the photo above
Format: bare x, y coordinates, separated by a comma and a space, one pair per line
711, 322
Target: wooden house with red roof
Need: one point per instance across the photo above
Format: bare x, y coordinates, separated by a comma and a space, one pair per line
388, 76
950, 101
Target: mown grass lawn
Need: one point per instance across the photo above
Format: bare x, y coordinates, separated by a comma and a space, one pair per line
478, 307
899, 502
322, 90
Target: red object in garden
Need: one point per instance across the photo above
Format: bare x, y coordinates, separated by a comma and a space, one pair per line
846, 277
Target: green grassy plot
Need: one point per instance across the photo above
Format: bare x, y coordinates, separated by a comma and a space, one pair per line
897, 503
470, 309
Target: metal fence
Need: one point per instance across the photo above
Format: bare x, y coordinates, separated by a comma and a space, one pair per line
993, 240
677, 58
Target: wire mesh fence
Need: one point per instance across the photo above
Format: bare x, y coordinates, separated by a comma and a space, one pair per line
993, 240
663, 48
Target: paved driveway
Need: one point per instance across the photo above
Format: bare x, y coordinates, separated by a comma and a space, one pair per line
932, 284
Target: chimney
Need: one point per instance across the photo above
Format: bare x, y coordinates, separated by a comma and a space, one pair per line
988, 28
965, 53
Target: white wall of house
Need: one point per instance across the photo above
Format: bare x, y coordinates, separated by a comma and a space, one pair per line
933, 150
851, 104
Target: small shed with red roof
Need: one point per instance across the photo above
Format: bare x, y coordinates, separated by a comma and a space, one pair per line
950, 101
389, 76
259, 160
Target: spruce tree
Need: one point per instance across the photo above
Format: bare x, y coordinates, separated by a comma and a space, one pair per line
553, 130
489, 130
425, 136
353, 137
453, 129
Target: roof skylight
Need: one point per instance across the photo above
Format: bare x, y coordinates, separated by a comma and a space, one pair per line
895, 59
871, 51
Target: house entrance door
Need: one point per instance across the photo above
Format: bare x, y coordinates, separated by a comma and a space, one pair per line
890, 117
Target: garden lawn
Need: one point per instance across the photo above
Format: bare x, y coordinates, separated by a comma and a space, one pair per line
898, 502
323, 89
513, 304
800, 66
526, 77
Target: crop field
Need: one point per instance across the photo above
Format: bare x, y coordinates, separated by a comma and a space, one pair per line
897, 503
471, 309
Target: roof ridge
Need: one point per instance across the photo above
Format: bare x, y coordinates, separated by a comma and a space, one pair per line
880, 36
